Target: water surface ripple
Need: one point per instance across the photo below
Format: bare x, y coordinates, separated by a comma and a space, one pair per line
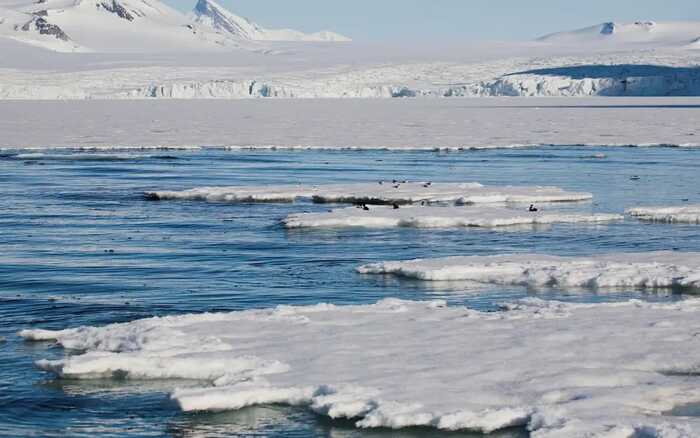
80, 245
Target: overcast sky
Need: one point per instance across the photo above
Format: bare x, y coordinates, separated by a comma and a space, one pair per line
435, 20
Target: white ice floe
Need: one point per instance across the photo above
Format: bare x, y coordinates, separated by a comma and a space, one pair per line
561, 370
639, 270
385, 192
689, 214
438, 217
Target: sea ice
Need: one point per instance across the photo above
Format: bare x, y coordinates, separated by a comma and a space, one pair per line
639, 270
689, 214
560, 370
426, 124
438, 217
384, 192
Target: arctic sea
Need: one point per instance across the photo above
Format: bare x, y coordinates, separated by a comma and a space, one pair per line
80, 245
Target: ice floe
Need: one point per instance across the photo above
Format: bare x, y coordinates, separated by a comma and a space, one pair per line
638, 270
438, 217
383, 192
560, 370
689, 214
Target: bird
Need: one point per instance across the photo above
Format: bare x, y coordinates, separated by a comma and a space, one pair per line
533, 208
396, 206
364, 207
428, 184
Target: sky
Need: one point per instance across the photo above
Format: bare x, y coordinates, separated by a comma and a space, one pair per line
435, 20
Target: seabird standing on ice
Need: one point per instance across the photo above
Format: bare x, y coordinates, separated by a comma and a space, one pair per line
396, 206
532, 208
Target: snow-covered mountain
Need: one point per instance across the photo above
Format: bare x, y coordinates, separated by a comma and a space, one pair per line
678, 33
33, 28
134, 26
215, 16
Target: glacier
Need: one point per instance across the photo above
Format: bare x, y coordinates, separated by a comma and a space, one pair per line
653, 73
215, 54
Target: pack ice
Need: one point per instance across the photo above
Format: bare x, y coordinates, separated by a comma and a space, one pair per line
689, 214
437, 217
383, 192
639, 270
560, 370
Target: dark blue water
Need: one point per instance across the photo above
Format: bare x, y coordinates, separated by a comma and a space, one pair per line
79, 245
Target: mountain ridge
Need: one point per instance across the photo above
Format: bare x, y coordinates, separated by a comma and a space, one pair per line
678, 33
138, 26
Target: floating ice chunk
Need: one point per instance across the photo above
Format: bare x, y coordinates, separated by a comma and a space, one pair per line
377, 193
645, 270
689, 214
437, 217
561, 370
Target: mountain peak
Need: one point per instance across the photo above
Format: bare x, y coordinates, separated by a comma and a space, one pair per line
217, 17
137, 26
214, 15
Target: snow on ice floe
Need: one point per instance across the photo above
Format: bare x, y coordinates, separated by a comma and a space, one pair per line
384, 192
560, 370
642, 270
689, 214
438, 217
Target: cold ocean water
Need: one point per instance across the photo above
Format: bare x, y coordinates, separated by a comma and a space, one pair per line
80, 245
